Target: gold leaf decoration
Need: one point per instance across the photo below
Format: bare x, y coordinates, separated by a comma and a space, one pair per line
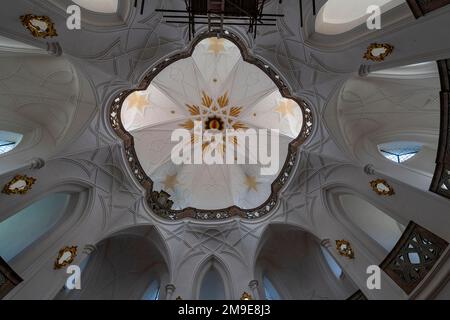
384, 51
35, 24
235, 111
239, 125
65, 257
233, 140
20, 184
381, 187
223, 101
188, 125
246, 296
344, 248
206, 100
193, 109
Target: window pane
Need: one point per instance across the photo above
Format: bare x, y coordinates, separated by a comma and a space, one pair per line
399, 151
337, 271
8, 141
29, 224
212, 286
269, 290
152, 293
6, 146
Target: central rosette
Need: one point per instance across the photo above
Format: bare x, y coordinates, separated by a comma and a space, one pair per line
219, 116
214, 123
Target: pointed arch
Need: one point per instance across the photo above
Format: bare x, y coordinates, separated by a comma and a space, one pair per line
409, 96
212, 274
125, 265
65, 103
38, 224
373, 225
298, 273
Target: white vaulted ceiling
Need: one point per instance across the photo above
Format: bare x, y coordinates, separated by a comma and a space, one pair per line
215, 82
100, 6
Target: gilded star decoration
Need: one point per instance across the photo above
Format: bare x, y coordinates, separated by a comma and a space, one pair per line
138, 101
286, 108
216, 45
170, 182
214, 110
250, 182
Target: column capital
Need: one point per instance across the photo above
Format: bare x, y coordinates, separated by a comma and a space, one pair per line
37, 163
253, 284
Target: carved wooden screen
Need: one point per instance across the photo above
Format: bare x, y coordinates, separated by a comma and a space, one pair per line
358, 295
413, 256
8, 278
422, 7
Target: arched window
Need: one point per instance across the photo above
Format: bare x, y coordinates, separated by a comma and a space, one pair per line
8, 141
338, 16
334, 267
375, 223
212, 287
269, 290
28, 225
100, 6
152, 293
399, 151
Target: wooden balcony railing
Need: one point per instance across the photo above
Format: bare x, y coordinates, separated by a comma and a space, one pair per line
441, 178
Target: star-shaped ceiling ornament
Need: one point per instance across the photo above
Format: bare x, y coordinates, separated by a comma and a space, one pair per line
250, 182
170, 182
216, 45
138, 101
286, 108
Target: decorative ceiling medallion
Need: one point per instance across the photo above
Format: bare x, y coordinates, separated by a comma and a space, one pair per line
39, 26
246, 296
65, 257
378, 51
344, 248
19, 185
159, 201
381, 187
211, 107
